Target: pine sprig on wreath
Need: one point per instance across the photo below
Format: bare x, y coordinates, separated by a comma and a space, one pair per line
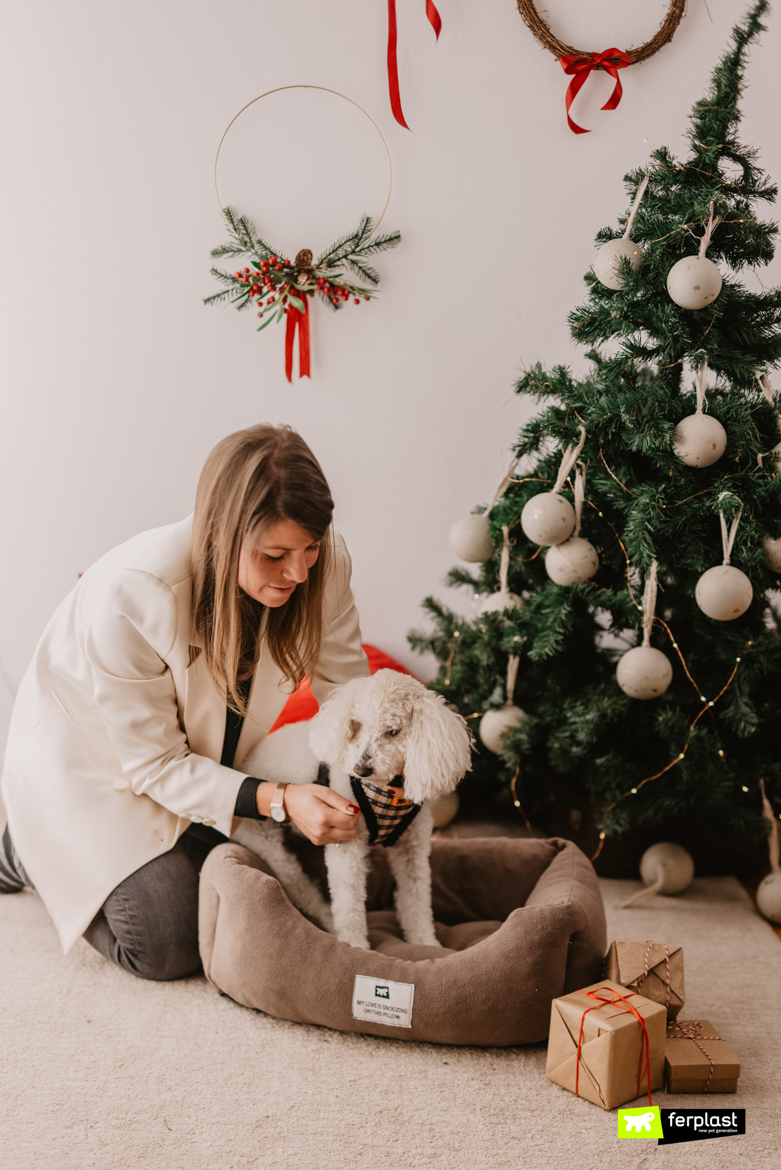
275, 285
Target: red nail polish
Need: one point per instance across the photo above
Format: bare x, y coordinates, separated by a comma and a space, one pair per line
353, 808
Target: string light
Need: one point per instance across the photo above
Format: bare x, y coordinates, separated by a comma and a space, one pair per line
516, 801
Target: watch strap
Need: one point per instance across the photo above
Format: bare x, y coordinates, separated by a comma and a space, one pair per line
278, 799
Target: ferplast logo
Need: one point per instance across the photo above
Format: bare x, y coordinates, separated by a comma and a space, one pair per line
640, 1123
381, 991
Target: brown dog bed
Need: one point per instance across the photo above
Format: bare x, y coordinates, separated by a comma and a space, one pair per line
521, 922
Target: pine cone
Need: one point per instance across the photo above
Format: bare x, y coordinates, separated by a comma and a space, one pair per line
304, 258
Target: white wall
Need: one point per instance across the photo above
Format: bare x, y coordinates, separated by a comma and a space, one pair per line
117, 381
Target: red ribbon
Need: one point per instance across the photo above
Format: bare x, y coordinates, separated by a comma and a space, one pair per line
296, 318
645, 1044
610, 61
435, 21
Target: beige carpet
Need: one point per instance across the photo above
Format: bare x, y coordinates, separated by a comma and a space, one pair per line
101, 1070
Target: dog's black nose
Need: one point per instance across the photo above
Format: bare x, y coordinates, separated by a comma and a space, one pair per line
363, 770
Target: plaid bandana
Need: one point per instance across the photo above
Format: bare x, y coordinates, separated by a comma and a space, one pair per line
386, 810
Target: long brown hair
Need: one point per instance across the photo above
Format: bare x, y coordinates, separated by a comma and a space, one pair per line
252, 479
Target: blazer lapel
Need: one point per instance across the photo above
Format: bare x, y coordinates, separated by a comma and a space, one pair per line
204, 712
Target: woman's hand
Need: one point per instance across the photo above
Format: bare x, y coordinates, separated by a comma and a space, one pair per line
324, 816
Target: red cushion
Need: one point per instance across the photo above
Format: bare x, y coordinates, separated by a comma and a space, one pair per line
303, 705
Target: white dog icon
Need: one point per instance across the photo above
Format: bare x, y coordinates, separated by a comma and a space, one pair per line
638, 1122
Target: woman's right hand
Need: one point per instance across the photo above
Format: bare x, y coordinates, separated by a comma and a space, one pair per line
321, 814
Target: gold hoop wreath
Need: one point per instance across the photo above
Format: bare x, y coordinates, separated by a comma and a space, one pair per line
579, 63
281, 288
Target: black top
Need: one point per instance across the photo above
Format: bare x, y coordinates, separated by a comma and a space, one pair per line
246, 800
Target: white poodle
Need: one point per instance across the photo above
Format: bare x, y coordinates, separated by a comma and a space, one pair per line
388, 744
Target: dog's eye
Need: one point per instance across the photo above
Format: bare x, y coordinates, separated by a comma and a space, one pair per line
354, 728
393, 731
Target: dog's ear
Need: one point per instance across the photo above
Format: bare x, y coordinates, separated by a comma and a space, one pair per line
329, 731
438, 749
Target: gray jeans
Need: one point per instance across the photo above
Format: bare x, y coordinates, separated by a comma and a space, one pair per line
149, 924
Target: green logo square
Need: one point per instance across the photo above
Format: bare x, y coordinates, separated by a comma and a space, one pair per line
640, 1123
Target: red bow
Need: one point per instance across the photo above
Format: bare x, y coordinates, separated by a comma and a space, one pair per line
435, 21
610, 61
301, 319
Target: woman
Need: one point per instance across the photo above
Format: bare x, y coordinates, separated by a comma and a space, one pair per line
158, 674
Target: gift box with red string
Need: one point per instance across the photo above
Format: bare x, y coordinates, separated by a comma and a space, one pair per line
698, 1060
653, 969
606, 1044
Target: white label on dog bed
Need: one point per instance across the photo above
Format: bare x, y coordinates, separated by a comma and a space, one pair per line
381, 1001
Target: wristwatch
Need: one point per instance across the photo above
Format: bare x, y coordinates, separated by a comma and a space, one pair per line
278, 811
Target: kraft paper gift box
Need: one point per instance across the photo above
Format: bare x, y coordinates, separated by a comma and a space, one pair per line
612, 1044
654, 969
698, 1060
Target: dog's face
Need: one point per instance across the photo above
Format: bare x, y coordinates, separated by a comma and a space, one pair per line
391, 725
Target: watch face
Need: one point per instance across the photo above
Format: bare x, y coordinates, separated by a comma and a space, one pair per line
278, 814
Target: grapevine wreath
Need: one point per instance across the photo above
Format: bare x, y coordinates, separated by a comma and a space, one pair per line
278, 287
579, 63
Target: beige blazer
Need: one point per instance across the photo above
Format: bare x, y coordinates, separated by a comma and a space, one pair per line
115, 738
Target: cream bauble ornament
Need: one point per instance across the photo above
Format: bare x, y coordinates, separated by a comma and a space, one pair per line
470, 539
777, 458
495, 724
773, 553
695, 281
444, 808
700, 440
769, 897
724, 593
666, 868
572, 562
548, 518
644, 673
606, 261
497, 602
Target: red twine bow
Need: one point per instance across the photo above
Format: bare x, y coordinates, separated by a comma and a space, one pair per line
610, 61
435, 21
645, 1044
301, 319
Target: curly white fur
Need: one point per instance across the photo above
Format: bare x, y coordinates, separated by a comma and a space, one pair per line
374, 728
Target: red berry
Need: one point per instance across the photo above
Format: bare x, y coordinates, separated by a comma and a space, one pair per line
269, 301
238, 276
246, 269
357, 301
366, 298
273, 260
260, 314
335, 300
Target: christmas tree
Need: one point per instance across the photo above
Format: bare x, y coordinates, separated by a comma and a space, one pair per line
652, 505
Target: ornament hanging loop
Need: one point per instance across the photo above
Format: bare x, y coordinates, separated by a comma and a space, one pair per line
579, 491
728, 538
512, 676
504, 562
568, 461
649, 603
633, 211
702, 379
710, 227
